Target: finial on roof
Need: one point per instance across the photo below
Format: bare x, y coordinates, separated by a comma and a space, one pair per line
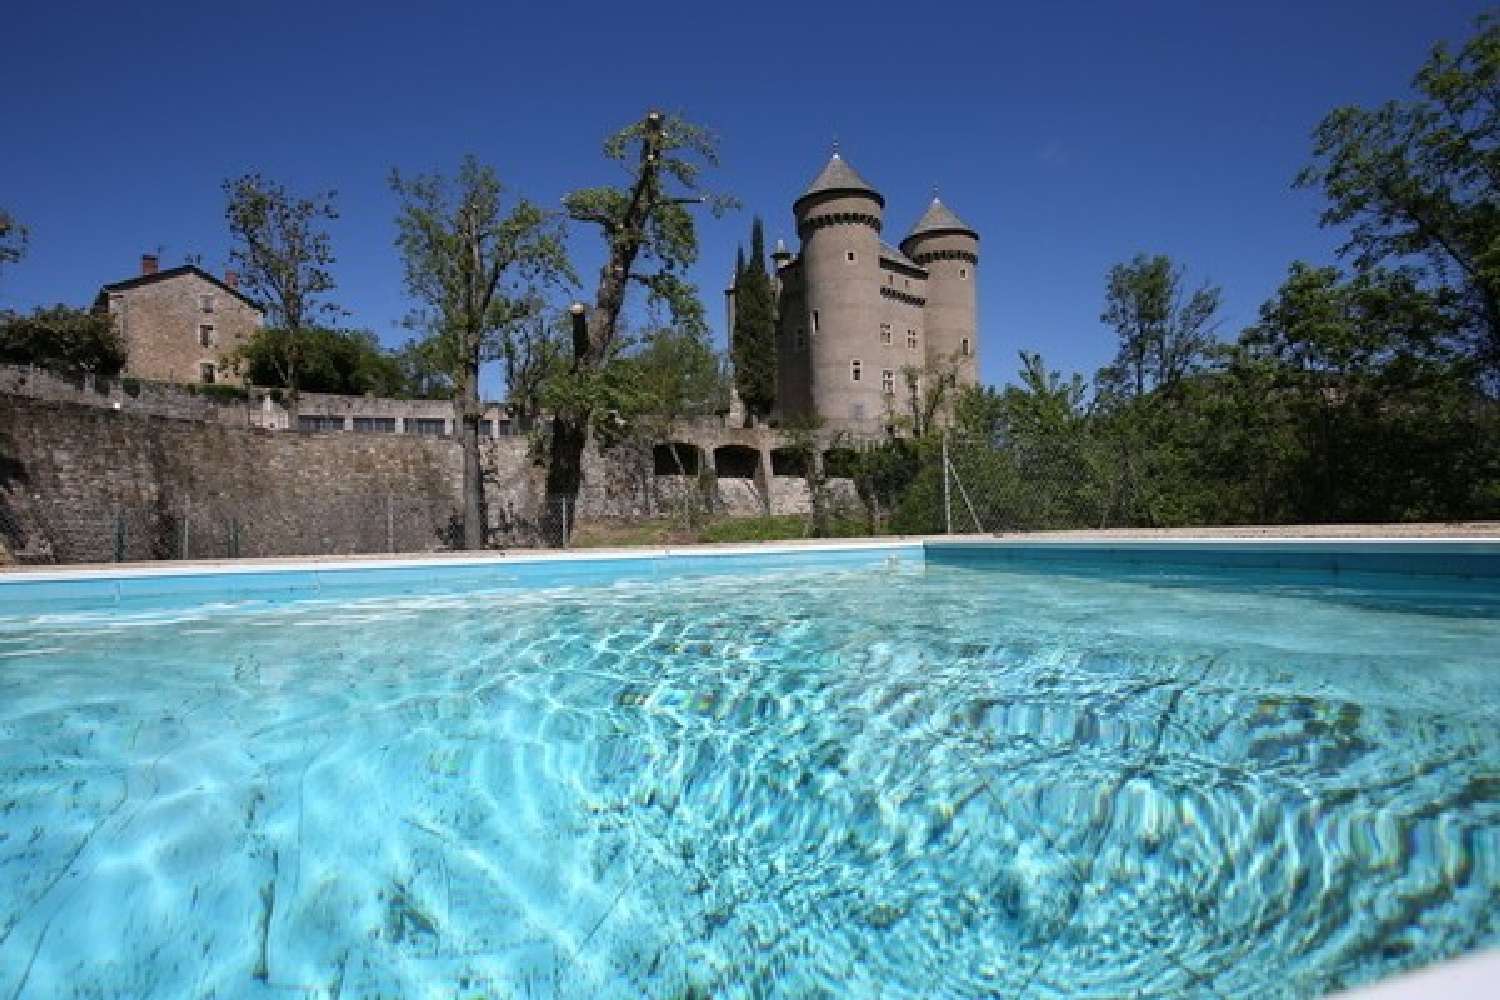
836, 147
934, 193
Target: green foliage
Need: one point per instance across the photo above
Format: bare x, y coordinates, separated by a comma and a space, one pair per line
63, 340
475, 269
1164, 331
283, 254
1418, 181
13, 237
349, 362
754, 337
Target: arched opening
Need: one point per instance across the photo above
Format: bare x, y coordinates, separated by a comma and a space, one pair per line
736, 461
675, 458
788, 462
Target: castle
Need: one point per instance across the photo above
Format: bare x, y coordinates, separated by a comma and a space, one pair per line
862, 325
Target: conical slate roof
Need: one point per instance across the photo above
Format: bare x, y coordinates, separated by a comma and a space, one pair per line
839, 176
939, 218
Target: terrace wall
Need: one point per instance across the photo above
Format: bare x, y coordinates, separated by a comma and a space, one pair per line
85, 482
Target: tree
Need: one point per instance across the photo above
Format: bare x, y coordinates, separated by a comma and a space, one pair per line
349, 362
1384, 409
1419, 180
649, 239
63, 340
13, 237
283, 254
754, 336
533, 353
1164, 331
466, 259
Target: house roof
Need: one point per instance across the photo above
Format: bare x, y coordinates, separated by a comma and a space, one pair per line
939, 218
177, 272
838, 176
891, 253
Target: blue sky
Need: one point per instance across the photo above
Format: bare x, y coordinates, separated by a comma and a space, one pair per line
1071, 135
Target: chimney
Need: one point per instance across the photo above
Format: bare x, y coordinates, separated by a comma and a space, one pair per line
232, 278
148, 264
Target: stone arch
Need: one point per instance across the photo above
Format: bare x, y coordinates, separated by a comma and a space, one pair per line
788, 462
736, 461
675, 458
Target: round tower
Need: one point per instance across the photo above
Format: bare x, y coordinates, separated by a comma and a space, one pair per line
949, 250
838, 220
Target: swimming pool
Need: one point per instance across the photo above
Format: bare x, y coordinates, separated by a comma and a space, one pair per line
895, 770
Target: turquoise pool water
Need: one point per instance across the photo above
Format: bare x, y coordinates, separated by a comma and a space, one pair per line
878, 779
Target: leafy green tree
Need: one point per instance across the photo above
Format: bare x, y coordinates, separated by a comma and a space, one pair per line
349, 362
283, 253
472, 265
754, 337
533, 353
1387, 414
423, 372
1164, 330
63, 340
649, 240
13, 237
1418, 181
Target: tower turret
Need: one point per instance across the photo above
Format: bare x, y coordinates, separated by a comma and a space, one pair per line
949, 250
839, 218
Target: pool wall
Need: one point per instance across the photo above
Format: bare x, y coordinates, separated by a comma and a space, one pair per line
287, 579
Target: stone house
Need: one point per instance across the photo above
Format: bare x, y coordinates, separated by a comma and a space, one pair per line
179, 324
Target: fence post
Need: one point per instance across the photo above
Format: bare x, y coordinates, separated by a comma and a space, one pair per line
120, 538
947, 498
390, 524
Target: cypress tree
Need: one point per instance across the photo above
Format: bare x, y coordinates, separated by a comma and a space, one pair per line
755, 329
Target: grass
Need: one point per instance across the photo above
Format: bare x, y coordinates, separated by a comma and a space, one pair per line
672, 531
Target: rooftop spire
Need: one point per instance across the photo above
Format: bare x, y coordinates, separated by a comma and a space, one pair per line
837, 175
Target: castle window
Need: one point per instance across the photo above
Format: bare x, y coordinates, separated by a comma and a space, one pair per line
885, 334
206, 373
965, 347
963, 274
314, 423
426, 426
815, 321
856, 369
849, 256
375, 425
206, 303
205, 335
911, 340
888, 382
